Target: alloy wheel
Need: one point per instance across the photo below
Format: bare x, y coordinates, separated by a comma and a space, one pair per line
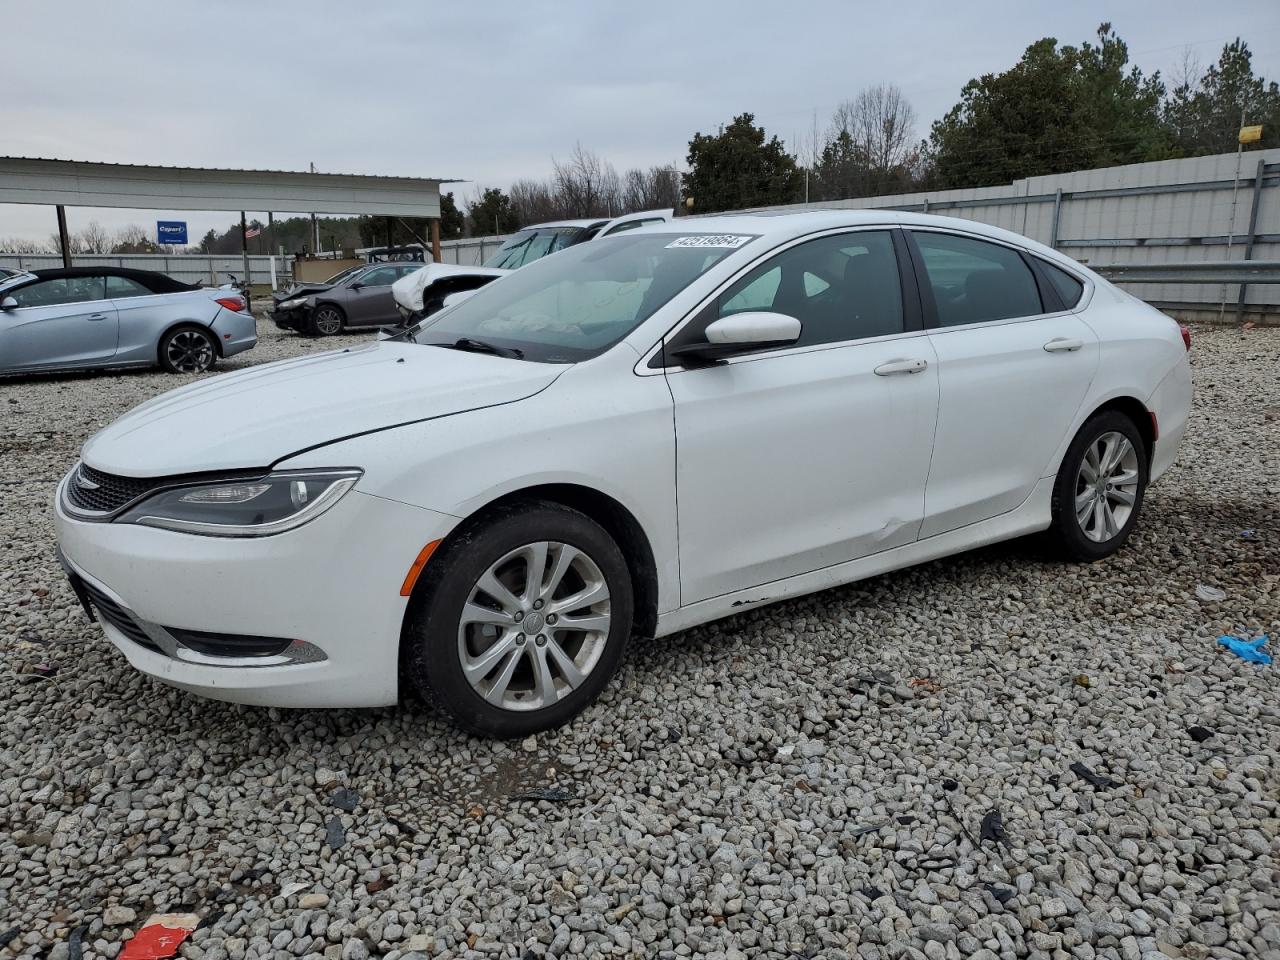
189, 351
328, 321
1106, 486
534, 626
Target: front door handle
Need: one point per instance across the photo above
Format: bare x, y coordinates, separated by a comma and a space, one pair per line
1063, 345
98, 316
900, 366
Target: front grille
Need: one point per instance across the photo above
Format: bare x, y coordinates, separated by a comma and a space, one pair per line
114, 614
109, 492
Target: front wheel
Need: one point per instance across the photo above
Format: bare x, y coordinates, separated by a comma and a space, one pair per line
327, 320
1100, 486
520, 620
188, 350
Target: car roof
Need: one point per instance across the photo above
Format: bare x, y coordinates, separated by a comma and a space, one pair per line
591, 222
153, 281
781, 225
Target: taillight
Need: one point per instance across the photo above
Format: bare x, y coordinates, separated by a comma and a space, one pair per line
1186, 335
237, 303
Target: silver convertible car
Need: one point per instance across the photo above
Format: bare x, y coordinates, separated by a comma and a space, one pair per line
83, 317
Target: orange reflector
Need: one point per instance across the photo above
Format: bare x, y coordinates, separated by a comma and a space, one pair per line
411, 577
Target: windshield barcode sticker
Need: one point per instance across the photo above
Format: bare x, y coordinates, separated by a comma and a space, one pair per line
718, 241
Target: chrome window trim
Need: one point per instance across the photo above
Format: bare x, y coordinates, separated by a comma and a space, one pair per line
644, 370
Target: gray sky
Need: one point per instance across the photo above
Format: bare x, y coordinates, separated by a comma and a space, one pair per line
490, 91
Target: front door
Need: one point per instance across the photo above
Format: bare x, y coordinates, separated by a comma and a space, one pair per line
62, 322
369, 300
1012, 374
797, 459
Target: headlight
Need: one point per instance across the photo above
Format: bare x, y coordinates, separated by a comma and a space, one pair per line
245, 508
293, 304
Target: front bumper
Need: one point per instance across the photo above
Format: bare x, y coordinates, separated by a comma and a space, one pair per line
295, 319
236, 331
331, 587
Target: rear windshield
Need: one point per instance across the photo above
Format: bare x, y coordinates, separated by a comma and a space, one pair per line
579, 303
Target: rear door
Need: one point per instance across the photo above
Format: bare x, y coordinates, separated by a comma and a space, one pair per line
60, 322
1013, 370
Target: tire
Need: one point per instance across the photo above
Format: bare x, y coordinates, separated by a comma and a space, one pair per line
188, 350
327, 320
1093, 519
452, 617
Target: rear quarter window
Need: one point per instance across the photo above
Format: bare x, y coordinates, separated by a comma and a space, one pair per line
1070, 290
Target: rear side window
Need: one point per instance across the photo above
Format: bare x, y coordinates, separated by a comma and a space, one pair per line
974, 281
1070, 290
120, 287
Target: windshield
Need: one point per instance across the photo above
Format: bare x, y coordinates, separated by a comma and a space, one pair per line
579, 303
526, 246
339, 277
11, 279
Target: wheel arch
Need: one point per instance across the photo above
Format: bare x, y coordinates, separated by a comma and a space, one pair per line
1135, 410
181, 324
619, 522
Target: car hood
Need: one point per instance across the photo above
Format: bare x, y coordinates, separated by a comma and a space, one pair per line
300, 290
259, 416
408, 290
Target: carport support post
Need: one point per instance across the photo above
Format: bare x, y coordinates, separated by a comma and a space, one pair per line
62, 236
435, 239
1253, 231
387, 224
244, 254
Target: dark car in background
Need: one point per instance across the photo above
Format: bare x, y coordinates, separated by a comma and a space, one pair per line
357, 297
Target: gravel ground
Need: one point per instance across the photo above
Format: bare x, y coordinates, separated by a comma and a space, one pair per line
813, 779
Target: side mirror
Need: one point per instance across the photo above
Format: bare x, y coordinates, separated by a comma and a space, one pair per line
8, 303
739, 333
357, 286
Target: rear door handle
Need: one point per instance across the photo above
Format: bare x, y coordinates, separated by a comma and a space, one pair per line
1063, 345
98, 316
900, 366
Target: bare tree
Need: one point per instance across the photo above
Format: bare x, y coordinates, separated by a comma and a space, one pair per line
94, 239
881, 122
586, 185
23, 245
652, 189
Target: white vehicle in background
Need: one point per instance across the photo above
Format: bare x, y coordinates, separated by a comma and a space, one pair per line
425, 291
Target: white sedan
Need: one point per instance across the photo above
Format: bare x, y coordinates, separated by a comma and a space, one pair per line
631, 437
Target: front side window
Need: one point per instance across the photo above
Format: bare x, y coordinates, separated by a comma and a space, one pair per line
527, 246
974, 281
381, 277
576, 305
120, 287
52, 293
842, 287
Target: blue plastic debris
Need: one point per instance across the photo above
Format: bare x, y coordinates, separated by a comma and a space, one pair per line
1250, 649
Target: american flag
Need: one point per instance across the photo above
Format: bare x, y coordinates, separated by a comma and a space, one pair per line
252, 232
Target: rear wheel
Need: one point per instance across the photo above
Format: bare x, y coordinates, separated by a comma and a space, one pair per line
188, 350
521, 620
327, 320
1100, 486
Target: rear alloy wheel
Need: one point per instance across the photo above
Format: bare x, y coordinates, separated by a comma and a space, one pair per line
522, 621
188, 350
1100, 487
326, 321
